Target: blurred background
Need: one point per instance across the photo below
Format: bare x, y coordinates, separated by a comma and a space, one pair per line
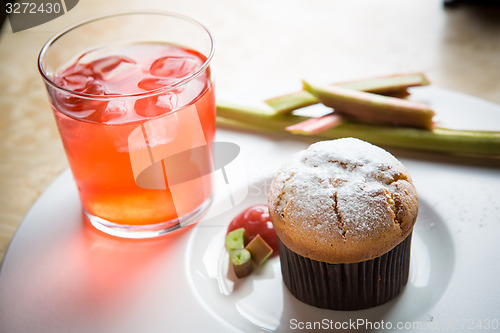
259, 44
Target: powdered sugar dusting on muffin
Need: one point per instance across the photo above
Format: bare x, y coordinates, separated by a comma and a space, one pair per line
344, 185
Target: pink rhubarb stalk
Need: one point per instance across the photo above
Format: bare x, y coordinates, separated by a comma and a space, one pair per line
313, 126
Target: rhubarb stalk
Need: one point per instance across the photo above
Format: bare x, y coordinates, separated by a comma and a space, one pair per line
393, 85
315, 125
479, 143
372, 107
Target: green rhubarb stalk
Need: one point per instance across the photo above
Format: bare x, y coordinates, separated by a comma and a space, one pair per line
285, 104
393, 85
371, 107
480, 143
387, 84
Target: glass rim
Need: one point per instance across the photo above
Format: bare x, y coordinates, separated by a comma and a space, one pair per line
148, 93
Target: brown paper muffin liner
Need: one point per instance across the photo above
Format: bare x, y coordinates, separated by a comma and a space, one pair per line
352, 286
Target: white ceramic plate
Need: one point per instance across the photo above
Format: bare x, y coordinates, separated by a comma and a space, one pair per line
262, 302
60, 275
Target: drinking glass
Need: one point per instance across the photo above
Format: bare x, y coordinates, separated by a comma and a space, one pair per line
133, 98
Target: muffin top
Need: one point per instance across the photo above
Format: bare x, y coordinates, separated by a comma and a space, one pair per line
342, 201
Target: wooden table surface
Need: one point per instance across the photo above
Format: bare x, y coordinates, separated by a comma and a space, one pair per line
257, 43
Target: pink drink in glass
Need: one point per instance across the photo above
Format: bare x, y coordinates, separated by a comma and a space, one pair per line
120, 141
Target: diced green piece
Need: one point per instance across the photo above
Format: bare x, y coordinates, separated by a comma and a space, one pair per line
387, 84
235, 240
241, 261
372, 107
259, 249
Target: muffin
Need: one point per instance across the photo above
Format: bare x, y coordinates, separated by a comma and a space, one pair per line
344, 212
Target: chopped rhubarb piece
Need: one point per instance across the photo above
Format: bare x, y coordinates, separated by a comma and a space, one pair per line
316, 125
241, 261
259, 250
235, 240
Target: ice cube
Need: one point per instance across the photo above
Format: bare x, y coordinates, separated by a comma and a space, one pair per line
84, 109
151, 106
94, 88
115, 109
152, 83
145, 107
176, 67
105, 66
167, 101
75, 107
75, 82
97, 54
120, 72
67, 102
86, 114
